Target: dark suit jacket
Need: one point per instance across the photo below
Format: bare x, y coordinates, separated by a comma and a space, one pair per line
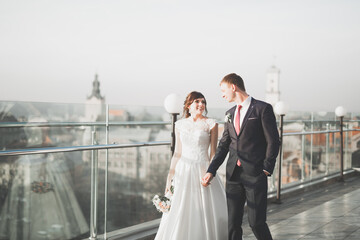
256, 146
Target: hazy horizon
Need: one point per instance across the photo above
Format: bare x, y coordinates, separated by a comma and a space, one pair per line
144, 50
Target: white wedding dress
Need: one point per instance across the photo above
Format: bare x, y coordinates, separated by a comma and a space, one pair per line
197, 212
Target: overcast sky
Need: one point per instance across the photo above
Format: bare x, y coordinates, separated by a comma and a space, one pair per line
143, 50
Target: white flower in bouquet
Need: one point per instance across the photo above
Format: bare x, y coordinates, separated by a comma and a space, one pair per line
163, 203
156, 199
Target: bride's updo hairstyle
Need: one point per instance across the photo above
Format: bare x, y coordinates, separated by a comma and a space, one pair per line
190, 98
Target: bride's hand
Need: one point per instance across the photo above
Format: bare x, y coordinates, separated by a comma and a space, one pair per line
207, 179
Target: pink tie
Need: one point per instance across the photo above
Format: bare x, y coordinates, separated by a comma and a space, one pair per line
237, 127
237, 120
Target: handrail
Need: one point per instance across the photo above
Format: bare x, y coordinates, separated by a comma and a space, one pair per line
79, 124
122, 123
79, 148
315, 121
317, 132
18, 152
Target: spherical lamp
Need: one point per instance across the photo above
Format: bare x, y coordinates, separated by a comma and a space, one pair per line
340, 111
173, 104
281, 108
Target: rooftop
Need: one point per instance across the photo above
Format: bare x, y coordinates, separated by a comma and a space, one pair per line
326, 212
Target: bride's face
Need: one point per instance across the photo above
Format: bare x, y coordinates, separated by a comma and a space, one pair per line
197, 107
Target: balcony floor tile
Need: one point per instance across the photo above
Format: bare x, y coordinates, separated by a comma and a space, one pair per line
330, 213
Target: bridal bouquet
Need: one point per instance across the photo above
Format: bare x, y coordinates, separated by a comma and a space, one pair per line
163, 203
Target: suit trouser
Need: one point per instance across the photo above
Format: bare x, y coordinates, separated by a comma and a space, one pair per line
253, 190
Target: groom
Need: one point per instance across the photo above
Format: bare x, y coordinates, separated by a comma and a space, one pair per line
252, 140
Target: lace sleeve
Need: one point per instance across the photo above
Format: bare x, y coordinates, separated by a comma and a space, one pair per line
175, 158
179, 124
211, 123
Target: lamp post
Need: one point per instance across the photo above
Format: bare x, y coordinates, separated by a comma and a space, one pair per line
340, 112
172, 104
280, 109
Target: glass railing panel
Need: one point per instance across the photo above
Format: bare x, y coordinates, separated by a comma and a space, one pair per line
293, 161
347, 147
52, 112
135, 176
99, 180
64, 124
318, 159
121, 113
44, 196
334, 160
43, 111
120, 133
352, 143
297, 116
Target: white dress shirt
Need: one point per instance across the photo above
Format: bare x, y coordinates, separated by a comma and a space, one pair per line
245, 106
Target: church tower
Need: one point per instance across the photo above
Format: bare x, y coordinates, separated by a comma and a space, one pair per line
272, 95
95, 102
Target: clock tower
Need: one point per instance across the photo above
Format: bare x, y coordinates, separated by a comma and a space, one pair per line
272, 95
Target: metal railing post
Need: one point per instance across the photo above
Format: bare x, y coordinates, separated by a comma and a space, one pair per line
94, 192
106, 169
303, 155
311, 145
327, 150
173, 120
341, 149
278, 193
346, 150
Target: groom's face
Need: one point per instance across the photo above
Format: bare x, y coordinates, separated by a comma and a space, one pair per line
227, 91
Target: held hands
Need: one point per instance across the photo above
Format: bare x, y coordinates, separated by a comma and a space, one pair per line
205, 181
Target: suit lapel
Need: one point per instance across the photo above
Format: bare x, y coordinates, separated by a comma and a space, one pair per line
249, 111
232, 113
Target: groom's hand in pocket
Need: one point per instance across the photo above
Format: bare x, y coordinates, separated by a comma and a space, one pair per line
207, 179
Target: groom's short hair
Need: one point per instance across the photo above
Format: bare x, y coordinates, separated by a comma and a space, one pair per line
235, 79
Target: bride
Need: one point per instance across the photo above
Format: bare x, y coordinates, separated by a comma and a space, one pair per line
196, 212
